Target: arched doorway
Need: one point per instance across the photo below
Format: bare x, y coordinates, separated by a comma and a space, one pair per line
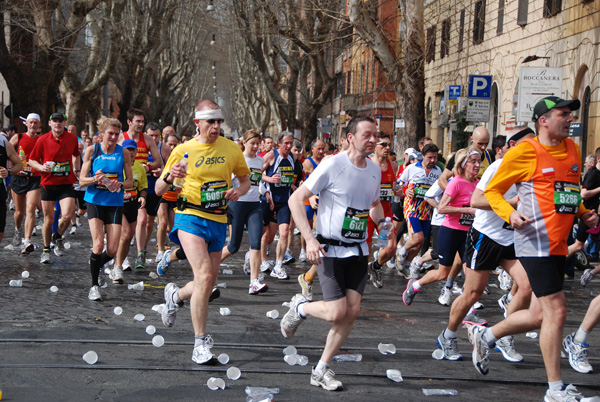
494, 112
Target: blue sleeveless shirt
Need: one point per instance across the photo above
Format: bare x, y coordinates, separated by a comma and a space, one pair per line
112, 166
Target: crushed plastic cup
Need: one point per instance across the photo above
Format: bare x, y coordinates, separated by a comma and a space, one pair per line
227, 272
446, 392
394, 375
222, 285
150, 329
53, 289
292, 360
387, 348
224, 311
215, 383
25, 274
274, 314
136, 286
531, 335
153, 275
438, 354
233, 373
139, 317
223, 358
158, 308
118, 310
302, 360
158, 341
9, 247
90, 357
290, 350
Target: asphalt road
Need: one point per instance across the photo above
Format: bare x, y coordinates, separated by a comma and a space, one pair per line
43, 336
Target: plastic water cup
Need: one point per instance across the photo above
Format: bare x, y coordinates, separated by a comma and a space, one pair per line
438, 354
395, 375
90, 357
274, 314
150, 329
15, 283
302, 360
118, 310
224, 311
531, 335
215, 383
233, 373
290, 350
387, 348
67, 245
292, 360
153, 275
158, 341
25, 274
223, 358
53, 289
222, 285
139, 317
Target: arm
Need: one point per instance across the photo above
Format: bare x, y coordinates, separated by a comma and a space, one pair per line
233, 194
17, 165
443, 180
432, 201
269, 160
444, 208
376, 212
153, 149
296, 204
479, 201
585, 193
128, 182
84, 180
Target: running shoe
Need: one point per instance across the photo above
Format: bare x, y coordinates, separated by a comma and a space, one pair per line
288, 258
507, 348
375, 275
216, 293
449, 347
140, 262
279, 272
34, 231
11, 205
403, 270
164, 264
247, 263
569, 394
94, 294
159, 256
276, 237
427, 266
257, 287
445, 296
456, 289
302, 257
169, 312
126, 264
410, 292
587, 276
73, 230
27, 247
415, 268
59, 246
391, 263
506, 281
307, 291
116, 274
578, 354
292, 320
503, 303
478, 305
45, 259
401, 259
132, 242
473, 319
265, 266
16, 240
325, 379
202, 353
296, 231
481, 350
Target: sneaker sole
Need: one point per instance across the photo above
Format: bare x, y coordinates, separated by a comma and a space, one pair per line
28, 250
479, 324
210, 360
507, 357
318, 384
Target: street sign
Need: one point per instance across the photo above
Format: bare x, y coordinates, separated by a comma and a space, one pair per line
536, 83
453, 94
576, 130
480, 86
478, 110
377, 116
400, 123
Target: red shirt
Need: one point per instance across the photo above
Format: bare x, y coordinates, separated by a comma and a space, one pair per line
61, 151
25, 144
142, 149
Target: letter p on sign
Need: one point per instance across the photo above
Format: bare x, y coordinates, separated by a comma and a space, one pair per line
480, 86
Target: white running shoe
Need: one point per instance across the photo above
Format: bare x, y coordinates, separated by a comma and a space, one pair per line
481, 350
279, 272
247, 263
16, 241
116, 274
257, 287
569, 394
265, 266
73, 230
578, 352
292, 320
126, 264
507, 348
325, 379
169, 312
45, 259
445, 296
159, 256
27, 247
302, 257
202, 353
94, 294
449, 347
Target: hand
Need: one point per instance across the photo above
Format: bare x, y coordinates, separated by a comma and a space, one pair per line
409, 193
46, 168
142, 201
3, 172
518, 220
276, 178
314, 251
177, 170
22, 157
99, 176
313, 202
471, 211
270, 201
157, 172
114, 186
232, 195
590, 218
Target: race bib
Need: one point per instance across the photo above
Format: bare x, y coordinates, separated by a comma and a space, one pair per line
420, 190
355, 224
212, 195
466, 219
567, 197
61, 169
255, 176
130, 195
287, 176
386, 192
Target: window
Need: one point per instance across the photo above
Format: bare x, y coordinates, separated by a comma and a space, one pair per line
349, 82
445, 49
461, 30
479, 22
367, 76
340, 84
552, 8
500, 27
374, 75
362, 79
522, 12
430, 55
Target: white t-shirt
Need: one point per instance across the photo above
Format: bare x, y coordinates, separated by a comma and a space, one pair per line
255, 165
488, 222
436, 193
346, 193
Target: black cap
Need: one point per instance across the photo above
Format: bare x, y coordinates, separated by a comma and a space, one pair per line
11, 127
548, 103
58, 116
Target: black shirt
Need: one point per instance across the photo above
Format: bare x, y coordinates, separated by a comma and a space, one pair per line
591, 181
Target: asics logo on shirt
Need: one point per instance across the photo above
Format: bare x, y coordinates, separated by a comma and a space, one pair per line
210, 161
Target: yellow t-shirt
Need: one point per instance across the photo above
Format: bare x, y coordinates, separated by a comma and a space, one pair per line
208, 175
140, 182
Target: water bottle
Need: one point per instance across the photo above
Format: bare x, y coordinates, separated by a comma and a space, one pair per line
178, 182
347, 358
430, 391
382, 240
261, 390
15, 283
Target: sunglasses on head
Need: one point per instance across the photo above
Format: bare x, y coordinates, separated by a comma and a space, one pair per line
385, 144
212, 121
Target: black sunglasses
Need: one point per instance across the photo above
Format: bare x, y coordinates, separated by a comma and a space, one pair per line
212, 121
385, 144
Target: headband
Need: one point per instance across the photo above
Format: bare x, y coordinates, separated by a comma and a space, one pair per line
208, 114
33, 116
464, 162
520, 134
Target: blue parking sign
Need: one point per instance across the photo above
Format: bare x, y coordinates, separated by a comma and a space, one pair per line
480, 86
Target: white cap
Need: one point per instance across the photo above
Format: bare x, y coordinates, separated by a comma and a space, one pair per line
33, 116
409, 151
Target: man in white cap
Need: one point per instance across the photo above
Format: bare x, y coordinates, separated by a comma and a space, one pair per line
25, 184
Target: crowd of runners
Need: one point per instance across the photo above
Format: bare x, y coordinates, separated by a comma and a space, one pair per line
507, 207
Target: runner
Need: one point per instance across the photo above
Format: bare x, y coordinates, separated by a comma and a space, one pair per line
55, 154
106, 171
7, 153
340, 249
546, 170
166, 209
200, 220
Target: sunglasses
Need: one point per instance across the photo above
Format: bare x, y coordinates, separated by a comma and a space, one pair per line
212, 121
385, 144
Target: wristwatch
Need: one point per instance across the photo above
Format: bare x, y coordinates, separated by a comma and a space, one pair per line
166, 177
